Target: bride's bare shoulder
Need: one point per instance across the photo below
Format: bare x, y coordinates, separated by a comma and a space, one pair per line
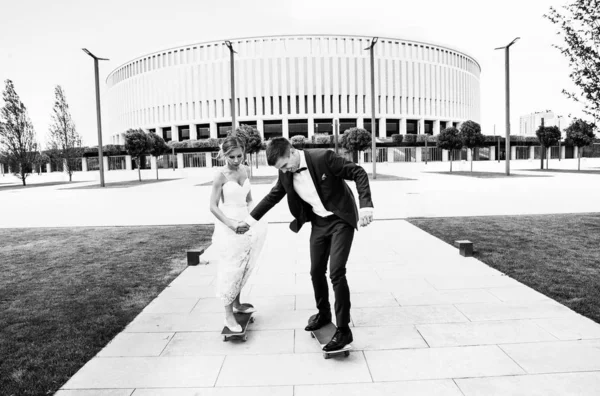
219, 175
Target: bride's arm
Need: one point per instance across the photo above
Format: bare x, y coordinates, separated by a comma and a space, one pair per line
215, 196
249, 202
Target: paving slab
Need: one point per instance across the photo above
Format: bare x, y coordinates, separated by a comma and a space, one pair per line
572, 384
412, 388
440, 363
136, 344
246, 391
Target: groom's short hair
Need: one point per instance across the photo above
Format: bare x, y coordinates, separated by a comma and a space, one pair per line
278, 147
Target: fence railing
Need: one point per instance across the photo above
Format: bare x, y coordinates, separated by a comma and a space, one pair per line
166, 161
521, 153
194, 160
405, 154
117, 162
93, 163
592, 151
431, 154
482, 154
382, 155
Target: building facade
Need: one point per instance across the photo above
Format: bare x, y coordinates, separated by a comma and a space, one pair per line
294, 85
529, 123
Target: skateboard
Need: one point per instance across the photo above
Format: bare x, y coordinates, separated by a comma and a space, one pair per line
323, 336
244, 319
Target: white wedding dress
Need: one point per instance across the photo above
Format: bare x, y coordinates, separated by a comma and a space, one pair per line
234, 254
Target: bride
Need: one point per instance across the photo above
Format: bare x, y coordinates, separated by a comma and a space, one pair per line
233, 251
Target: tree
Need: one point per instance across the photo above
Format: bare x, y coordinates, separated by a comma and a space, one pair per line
17, 136
580, 30
580, 134
356, 139
252, 140
449, 139
158, 147
136, 145
470, 134
63, 135
548, 136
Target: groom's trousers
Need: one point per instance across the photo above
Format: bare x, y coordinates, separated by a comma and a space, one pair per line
331, 238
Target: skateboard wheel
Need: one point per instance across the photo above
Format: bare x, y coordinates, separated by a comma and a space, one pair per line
245, 338
251, 320
224, 338
347, 353
326, 356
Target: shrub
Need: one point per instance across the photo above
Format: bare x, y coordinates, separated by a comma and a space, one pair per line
297, 141
322, 138
490, 139
531, 139
397, 138
173, 144
356, 139
204, 143
250, 136
410, 138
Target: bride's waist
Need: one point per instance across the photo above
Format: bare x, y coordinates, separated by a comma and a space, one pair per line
233, 205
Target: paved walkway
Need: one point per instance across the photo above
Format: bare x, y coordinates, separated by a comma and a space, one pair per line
426, 322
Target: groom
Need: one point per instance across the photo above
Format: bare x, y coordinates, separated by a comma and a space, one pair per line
314, 183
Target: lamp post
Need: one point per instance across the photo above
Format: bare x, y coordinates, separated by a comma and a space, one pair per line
98, 115
232, 64
373, 145
507, 84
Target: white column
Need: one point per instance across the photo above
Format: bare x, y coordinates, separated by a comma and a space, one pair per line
105, 163
48, 167
403, 126
260, 126
382, 127
208, 159
311, 126
285, 128
436, 127
128, 165
492, 153
84, 167
390, 154
445, 155
153, 164
193, 132
179, 160
531, 152
421, 130
360, 122
469, 155
174, 133
562, 152
419, 154
213, 129
575, 152
513, 152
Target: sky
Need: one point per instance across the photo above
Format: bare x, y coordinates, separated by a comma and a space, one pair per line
41, 42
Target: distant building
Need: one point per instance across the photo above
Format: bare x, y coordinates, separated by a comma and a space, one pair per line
530, 123
294, 85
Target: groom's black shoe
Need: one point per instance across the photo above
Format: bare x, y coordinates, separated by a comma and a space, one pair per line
340, 339
317, 321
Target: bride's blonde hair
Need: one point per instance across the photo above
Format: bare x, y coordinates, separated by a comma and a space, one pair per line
229, 144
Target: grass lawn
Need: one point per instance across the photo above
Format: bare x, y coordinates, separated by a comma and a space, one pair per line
557, 255
66, 292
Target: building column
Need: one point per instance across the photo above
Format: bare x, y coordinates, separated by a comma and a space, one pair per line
213, 129
260, 126
311, 126
418, 154
360, 122
492, 153
48, 167
179, 160
436, 127
208, 159
84, 167
128, 162
403, 126
513, 152
193, 132
421, 130
382, 127
105, 163
285, 128
531, 152
153, 164
174, 133
469, 155
562, 152
575, 152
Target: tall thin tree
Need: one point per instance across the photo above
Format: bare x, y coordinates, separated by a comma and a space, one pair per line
17, 136
64, 139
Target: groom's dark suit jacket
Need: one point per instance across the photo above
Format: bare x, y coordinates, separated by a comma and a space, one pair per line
328, 172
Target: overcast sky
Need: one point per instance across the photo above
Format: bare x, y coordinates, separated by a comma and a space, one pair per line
41, 41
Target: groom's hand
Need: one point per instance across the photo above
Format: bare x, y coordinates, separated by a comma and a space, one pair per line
242, 227
366, 218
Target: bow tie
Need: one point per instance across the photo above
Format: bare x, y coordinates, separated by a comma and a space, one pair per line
300, 170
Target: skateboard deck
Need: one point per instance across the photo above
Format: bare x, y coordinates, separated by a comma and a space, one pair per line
244, 319
324, 335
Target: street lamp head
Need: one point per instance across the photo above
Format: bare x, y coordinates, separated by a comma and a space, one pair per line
508, 46
230, 46
373, 42
92, 55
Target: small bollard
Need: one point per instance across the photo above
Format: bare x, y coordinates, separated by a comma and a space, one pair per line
465, 248
193, 256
